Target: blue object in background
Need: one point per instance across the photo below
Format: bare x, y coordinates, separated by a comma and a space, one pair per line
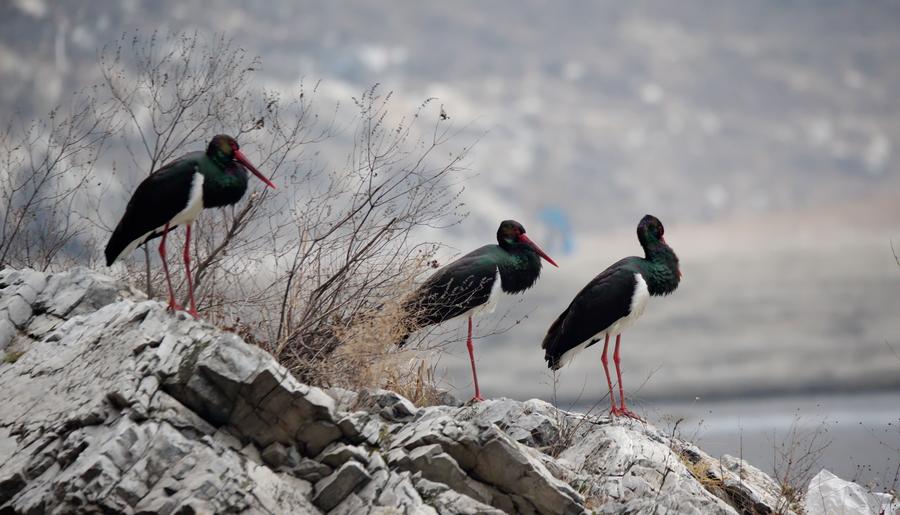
559, 230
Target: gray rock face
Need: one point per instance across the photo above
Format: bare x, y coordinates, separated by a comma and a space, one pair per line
389, 405
336, 487
112, 404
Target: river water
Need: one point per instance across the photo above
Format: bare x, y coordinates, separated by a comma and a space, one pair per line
856, 437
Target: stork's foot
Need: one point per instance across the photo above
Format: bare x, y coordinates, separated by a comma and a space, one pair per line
174, 307
477, 398
625, 412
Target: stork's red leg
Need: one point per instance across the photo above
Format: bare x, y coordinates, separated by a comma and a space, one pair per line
622, 409
162, 253
612, 396
478, 396
187, 272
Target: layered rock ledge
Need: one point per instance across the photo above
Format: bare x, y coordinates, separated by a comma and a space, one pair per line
112, 404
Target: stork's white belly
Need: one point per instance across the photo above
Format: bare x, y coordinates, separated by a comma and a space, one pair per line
185, 216
638, 303
194, 205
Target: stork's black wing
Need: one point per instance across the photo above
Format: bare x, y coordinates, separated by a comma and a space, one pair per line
454, 289
157, 199
604, 300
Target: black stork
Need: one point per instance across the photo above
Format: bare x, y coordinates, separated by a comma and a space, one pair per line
175, 194
471, 285
612, 302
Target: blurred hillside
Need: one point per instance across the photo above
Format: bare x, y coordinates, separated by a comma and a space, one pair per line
696, 110
764, 135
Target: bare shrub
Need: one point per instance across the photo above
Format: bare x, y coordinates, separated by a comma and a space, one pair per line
44, 170
570, 424
795, 461
311, 271
367, 357
298, 269
354, 254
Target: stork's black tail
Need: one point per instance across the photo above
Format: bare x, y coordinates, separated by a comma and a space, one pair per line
115, 246
550, 344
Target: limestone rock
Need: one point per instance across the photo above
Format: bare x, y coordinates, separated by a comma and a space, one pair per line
97, 410
333, 489
345, 400
533, 422
310, 470
337, 454
391, 406
361, 427
490, 456
450, 502
434, 464
749, 488
828, 493
112, 404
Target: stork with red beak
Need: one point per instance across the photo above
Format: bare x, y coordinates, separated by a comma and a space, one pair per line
472, 284
175, 195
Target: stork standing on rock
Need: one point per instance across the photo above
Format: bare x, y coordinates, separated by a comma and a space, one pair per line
472, 284
175, 195
612, 302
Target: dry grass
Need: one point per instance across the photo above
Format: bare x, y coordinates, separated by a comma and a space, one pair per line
796, 460
567, 428
364, 354
705, 474
13, 356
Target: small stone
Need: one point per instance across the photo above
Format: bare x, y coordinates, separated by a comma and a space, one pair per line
310, 470
318, 403
397, 458
317, 435
32, 283
370, 491
390, 405
436, 465
345, 400
275, 455
7, 332
447, 501
252, 453
361, 427
223, 437
334, 488
400, 492
18, 311
42, 324
446, 398
337, 454
351, 505
376, 462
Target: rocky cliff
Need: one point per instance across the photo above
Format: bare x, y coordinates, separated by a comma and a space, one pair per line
111, 404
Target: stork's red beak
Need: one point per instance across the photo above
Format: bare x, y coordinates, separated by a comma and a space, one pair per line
524, 239
241, 158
